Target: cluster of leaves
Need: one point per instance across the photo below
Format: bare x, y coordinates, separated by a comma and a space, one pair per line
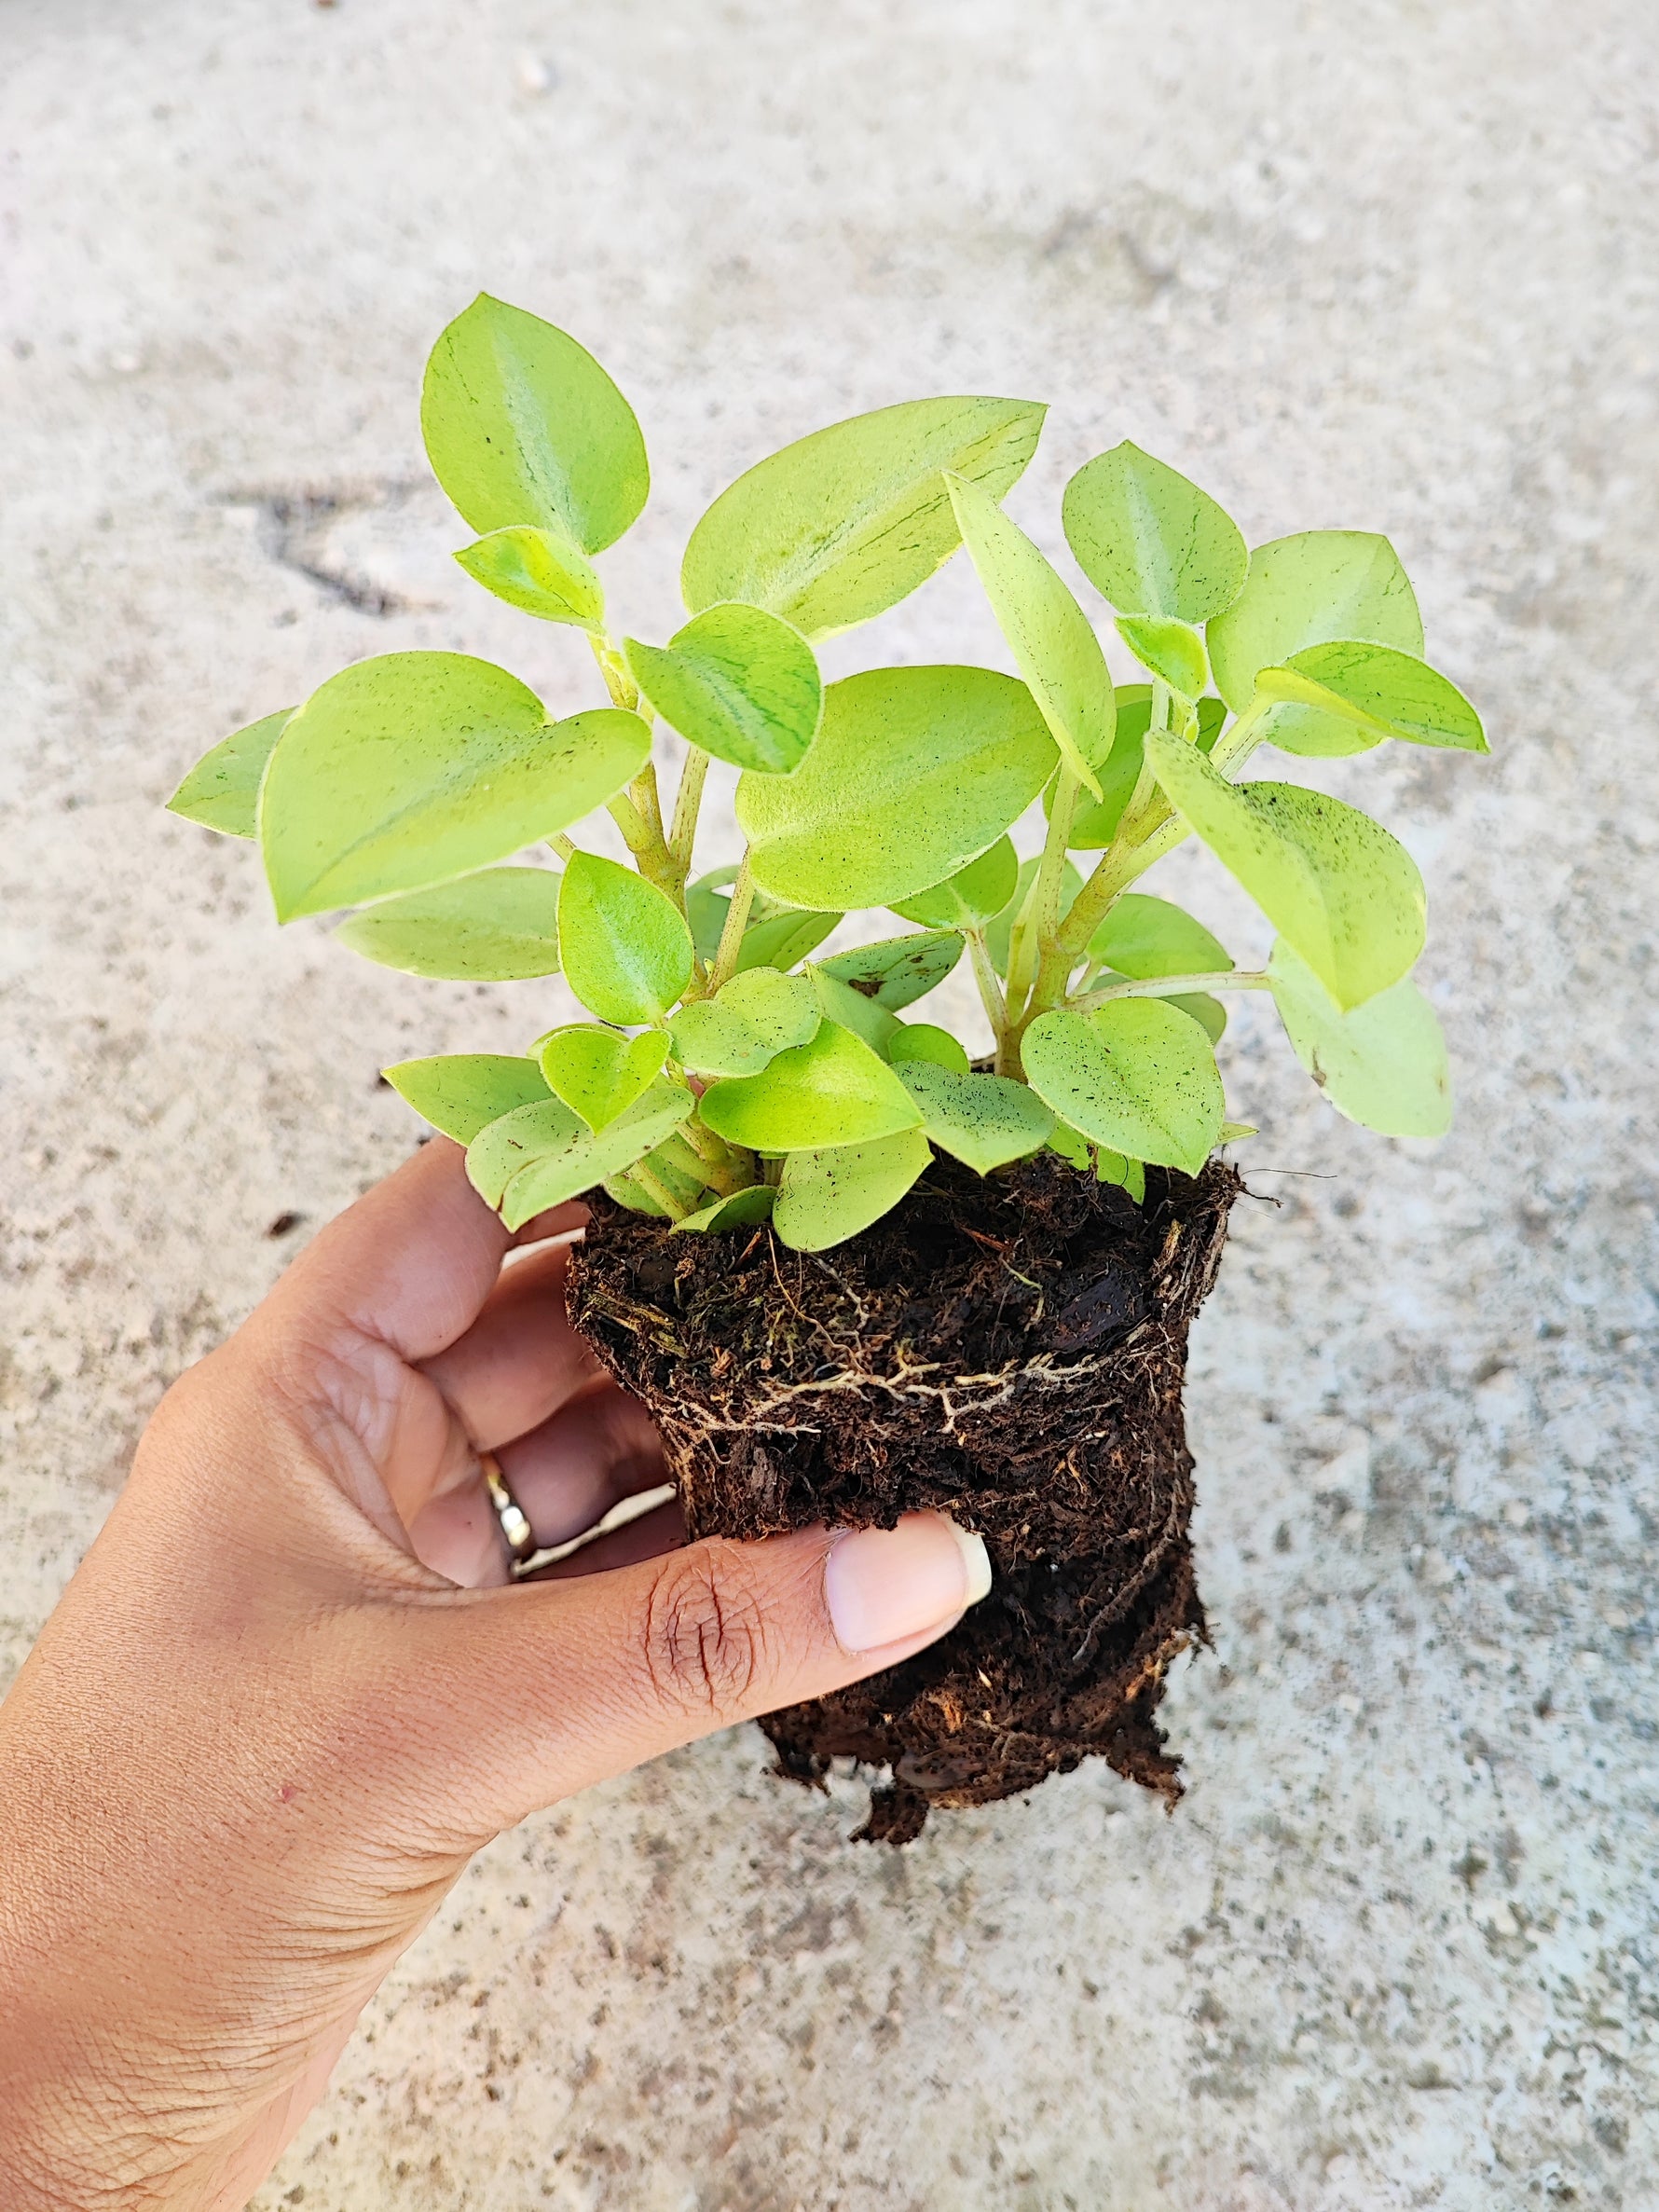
728, 1076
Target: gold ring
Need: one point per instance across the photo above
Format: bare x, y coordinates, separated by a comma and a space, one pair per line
516, 1531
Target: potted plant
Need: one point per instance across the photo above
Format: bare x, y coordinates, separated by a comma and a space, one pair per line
851, 1270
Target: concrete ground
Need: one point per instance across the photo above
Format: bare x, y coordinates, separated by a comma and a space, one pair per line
1385, 264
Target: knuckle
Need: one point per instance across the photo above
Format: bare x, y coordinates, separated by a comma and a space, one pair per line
706, 1638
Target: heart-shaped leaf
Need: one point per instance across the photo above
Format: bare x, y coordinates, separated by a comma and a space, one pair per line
1347, 895
1384, 691
542, 1155
833, 1091
1382, 1065
626, 950
538, 571
500, 926
597, 1073
824, 1197
970, 898
463, 1093
982, 1121
741, 683
1173, 651
1143, 937
915, 771
1302, 591
1054, 646
222, 790
416, 768
897, 971
758, 1014
521, 425
1135, 1075
1150, 541
846, 523
741, 1210
922, 1040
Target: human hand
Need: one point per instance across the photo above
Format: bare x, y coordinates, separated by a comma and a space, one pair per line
290, 1688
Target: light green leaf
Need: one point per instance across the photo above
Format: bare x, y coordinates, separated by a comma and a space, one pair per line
538, 571
1381, 691
1073, 1146
416, 768
915, 772
971, 897
462, 1092
1143, 937
521, 425
982, 1121
846, 523
500, 926
222, 790
758, 1014
1135, 1075
1382, 1065
626, 950
1303, 591
826, 1196
1054, 647
1211, 718
741, 1210
633, 1195
1095, 824
1000, 932
864, 1016
897, 971
1345, 893
1173, 651
1233, 1132
1150, 541
833, 1091
922, 1040
740, 682
783, 939
597, 1073
1209, 1013
542, 1155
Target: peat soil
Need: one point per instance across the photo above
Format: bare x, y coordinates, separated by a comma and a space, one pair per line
1007, 1350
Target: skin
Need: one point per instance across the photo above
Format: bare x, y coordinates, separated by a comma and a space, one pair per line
292, 1689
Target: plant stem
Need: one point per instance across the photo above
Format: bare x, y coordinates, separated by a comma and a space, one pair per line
1241, 737
623, 691
716, 1161
991, 996
726, 959
652, 1184
1177, 986
686, 802
562, 845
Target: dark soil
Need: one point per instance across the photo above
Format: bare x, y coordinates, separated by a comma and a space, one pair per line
1007, 1350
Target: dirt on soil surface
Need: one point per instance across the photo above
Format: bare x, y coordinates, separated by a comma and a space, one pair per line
1008, 1351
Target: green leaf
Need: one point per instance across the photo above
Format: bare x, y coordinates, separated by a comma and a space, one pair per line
833, 1091
999, 935
922, 1040
740, 682
1232, 1132
758, 1014
1381, 691
741, 1210
971, 897
1053, 644
864, 1016
915, 772
1382, 1065
633, 1195
417, 767
826, 1196
1148, 541
626, 950
982, 1121
1212, 715
521, 425
500, 926
222, 790
846, 523
597, 1073
1303, 591
783, 939
897, 971
1135, 1075
1173, 651
1095, 824
1144, 937
1073, 1146
538, 571
1209, 1013
462, 1092
542, 1155
1345, 893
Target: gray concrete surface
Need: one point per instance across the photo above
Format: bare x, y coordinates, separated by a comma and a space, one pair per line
1389, 265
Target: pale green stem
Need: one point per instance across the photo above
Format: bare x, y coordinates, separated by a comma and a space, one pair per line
1241, 737
726, 959
1161, 704
562, 845
1051, 877
652, 1184
716, 1162
1174, 986
623, 691
990, 984
686, 802
1119, 867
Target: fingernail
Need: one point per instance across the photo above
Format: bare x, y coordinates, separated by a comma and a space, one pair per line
882, 1585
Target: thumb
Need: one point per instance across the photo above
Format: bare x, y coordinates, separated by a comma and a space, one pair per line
554, 1685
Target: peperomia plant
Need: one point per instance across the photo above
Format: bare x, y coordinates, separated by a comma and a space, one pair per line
728, 1075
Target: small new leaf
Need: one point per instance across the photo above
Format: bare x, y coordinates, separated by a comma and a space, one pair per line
1136, 1075
741, 683
538, 571
222, 790
758, 1014
460, 1093
743, 1209
1382, 1064
500, 926
982, 1121
833, 1091
826, 1196
1173, 651
626, 950
1150, 541
597, 1073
